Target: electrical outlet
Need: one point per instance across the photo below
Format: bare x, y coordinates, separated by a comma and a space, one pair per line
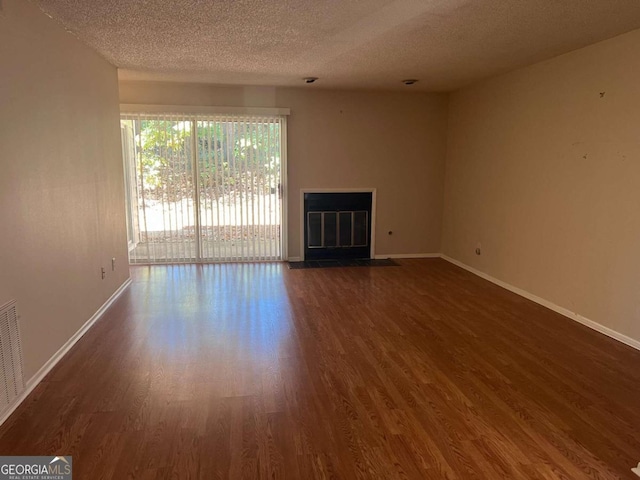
103, 273
113, 264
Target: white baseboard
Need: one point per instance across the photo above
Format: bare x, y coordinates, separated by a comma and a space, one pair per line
294, 259
550, 305
46, 368
382, 256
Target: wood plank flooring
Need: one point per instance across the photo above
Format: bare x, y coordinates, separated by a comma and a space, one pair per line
422, 371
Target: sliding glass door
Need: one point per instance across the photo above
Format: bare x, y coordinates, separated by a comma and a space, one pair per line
203, 188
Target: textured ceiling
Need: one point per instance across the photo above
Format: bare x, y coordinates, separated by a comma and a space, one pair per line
369, 44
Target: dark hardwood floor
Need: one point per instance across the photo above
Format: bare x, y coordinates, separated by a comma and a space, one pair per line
422, 371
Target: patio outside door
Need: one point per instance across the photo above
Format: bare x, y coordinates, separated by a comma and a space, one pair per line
203, 188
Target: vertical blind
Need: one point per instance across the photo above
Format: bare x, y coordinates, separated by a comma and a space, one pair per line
204, 187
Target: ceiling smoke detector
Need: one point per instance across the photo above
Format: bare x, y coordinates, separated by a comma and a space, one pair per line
310, 79
409, 81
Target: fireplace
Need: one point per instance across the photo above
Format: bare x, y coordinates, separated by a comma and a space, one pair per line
337, 225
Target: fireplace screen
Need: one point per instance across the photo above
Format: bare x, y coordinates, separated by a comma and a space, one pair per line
337, 229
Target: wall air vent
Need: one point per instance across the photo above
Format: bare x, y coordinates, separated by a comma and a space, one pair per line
11, 370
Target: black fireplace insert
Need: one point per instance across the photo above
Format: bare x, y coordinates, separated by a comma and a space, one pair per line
337, 225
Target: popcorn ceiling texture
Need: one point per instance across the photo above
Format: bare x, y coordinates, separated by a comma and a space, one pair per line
370, 44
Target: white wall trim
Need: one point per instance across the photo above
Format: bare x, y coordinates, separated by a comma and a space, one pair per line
370, 190
284, 191
550, 305
53, 361
382, 256
204, 110
294, 259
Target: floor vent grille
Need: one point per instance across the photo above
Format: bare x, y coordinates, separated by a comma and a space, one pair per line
11, 371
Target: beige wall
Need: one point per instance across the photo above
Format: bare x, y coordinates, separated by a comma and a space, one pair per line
544, 171
394, 142
61, 193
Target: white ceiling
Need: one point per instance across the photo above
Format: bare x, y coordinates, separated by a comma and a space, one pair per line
367, 44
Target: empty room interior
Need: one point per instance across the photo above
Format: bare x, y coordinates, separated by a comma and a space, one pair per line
321, 239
